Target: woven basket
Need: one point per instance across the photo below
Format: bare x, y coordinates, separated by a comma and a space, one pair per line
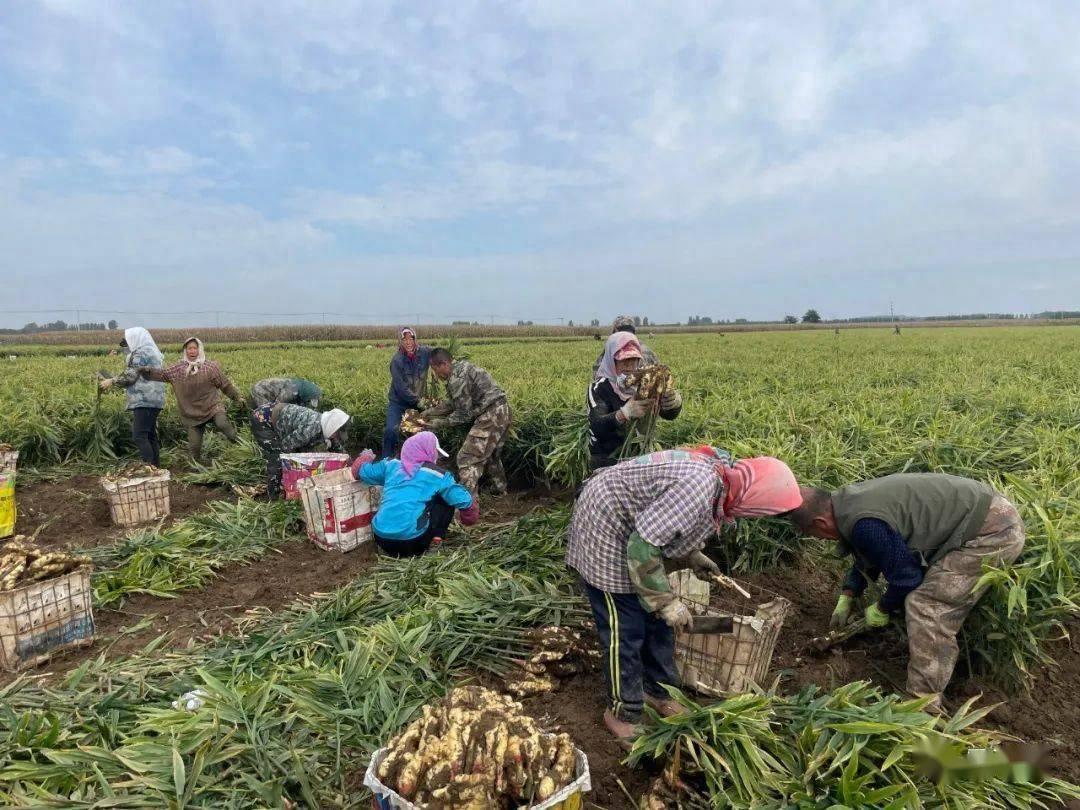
138, 500
9, 459
40, 619
716, 664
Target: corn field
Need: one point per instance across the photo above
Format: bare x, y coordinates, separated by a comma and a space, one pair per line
298, 700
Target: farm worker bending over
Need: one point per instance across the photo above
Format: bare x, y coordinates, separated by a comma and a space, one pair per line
929, 535
476, 400
611, 402
285, 428
408, 381
639, 519
145, 398
293, 390
624, 323
196, 382
418, 497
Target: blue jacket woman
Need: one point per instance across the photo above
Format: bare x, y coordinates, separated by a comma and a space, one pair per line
408, 379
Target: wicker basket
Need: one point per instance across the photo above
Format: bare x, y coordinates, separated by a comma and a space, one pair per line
138, 500
720, 663
337, 510
9, 459
40, 619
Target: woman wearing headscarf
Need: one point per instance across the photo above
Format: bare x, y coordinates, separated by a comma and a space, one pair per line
197, 382
408, 380
145, 398
611, 403
634, 522
418, 497
282, 427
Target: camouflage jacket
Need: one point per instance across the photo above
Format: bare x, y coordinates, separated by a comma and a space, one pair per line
292, 390
472, 391
141, 392
297, 428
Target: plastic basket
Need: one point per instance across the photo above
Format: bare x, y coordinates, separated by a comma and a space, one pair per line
337, 510
138, 500
9, 460
295, 467
570, 797
716, 664
40, 619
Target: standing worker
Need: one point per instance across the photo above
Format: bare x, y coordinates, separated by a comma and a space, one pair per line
930, 536
629, 520
476, 400
625, 323
282, 427
612, 405
145, 398
408, 381
196, 382
418, 497
271, 391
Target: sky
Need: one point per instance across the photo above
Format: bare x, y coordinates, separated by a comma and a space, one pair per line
381, 162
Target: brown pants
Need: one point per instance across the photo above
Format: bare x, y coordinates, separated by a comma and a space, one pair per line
195, 434
482, 449
938, 607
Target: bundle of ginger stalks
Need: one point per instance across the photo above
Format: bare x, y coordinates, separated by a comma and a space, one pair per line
475, 750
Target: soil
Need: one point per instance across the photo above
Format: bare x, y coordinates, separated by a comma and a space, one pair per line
73, 513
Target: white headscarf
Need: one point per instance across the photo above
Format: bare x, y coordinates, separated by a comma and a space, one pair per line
332, 422
617, 342
196, 364
138, 339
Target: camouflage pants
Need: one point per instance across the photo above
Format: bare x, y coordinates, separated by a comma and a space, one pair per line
482, 449
938, 607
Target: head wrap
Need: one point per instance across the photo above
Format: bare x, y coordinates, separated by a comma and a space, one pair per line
196, 364
406, 330
616, 343
421, 448
757, 487
136, 338
332, 422
623, 322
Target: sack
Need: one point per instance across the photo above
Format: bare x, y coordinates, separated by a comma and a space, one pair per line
7, 504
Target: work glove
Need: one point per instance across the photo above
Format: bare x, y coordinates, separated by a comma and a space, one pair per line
876, 617
633, 409
438, 423
677, 615
105, 385
470, 514
365, 457
841, 614
702, 567
670, 400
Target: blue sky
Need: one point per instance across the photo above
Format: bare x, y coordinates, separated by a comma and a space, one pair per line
537, 160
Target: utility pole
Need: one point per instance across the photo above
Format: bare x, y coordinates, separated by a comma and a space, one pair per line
78, 321
217, 319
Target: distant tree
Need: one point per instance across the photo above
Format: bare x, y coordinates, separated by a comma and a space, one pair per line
791, 319
594, 322
741, 320
570, 323
113, 324
645, 321
637, 320
31, 327
811, 316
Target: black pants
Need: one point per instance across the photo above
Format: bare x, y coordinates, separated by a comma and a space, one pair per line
638, 649
439, 514
266, 437
144, 432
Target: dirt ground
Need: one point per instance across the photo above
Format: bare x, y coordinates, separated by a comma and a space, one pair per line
74, 513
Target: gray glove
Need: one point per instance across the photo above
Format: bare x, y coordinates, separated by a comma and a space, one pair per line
677, 615
702, 567
670, 400
633, 409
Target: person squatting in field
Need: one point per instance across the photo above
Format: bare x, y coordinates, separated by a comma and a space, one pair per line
611, 403
418, 497
271, 391
635, 522
408, 383
145, 398
929, 535
475, 400
281, 427
197, 382
625, 323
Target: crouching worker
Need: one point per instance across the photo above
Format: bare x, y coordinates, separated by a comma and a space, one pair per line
632, 524
292, 390
475, 399
418, 497
285, 428
929, 535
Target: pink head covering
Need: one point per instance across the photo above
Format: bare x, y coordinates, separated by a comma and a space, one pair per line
423, 448
757, 487
617, 342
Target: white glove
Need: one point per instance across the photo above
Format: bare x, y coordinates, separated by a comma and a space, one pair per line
676, 615
670, 400
633, 409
